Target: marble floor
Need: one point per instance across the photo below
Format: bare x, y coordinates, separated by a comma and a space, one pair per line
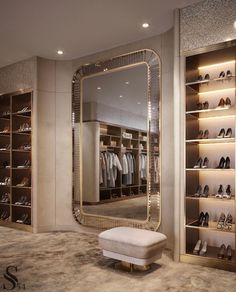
71, 261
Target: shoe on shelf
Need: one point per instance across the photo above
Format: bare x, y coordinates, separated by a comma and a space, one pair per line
228, 222
200, 134
221, 163
222, 74
220, 192
207, 77
228, 193
227, 102
205, 163
197, 247
221, 253
206, 134
205, 220
199, 78
203, 250
198, 191
229, 73
221, 104
199, 163
227, 162
24, 182
228, 133
221, 221
23, 218
229, 253
221, 133
205, 193
205, 105
200, 218
199, 106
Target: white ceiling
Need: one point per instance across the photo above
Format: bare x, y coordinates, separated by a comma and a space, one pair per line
78, 27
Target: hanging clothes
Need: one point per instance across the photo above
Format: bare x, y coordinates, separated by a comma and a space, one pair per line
128, 166
109, 164
143, 166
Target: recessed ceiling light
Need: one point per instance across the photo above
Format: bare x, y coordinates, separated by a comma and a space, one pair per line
138, 102
60, 52
99, 88
121, 96
145, 25
235, 24
127, 82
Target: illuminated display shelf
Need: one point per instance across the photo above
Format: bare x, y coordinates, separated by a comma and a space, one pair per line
213, 118
212, 141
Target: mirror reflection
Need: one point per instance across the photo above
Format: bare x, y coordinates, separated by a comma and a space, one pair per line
115, 146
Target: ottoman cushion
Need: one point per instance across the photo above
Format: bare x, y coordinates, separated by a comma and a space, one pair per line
133, 242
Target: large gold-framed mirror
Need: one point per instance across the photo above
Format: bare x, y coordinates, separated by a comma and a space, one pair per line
116, 142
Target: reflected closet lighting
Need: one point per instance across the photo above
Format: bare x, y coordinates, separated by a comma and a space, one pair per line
217, 117
216, 91
216, 65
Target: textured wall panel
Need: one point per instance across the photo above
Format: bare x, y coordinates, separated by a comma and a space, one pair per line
207, 23
21, 75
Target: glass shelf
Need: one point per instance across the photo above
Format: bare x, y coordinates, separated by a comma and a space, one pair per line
211, 141
212, 226
211, 169
211, 198
209, 81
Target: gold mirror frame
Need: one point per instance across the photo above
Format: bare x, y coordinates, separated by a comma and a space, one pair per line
152, 60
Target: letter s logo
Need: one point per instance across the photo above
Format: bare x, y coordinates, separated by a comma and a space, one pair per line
11, 278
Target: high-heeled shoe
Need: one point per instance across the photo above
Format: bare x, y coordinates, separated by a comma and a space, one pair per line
228, 222
228, 133
205, 220
199, 163
203, 250
222, 74
229, 253
221, 221
197, 247
207, 77
229, 73
221, 253
205, 163
221, 133
199, 106
227, 162
200, 218
220, 192
206, 134
198, 191
221, 103
200, 134
221, 163
228, 193
205, 105
205, 193
199, 78
227, 102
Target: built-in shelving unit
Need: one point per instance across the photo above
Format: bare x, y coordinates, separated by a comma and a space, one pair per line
213, 87
16, 160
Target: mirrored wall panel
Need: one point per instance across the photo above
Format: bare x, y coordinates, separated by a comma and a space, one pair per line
116, 142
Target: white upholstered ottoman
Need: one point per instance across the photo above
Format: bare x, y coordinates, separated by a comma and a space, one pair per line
132, 245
